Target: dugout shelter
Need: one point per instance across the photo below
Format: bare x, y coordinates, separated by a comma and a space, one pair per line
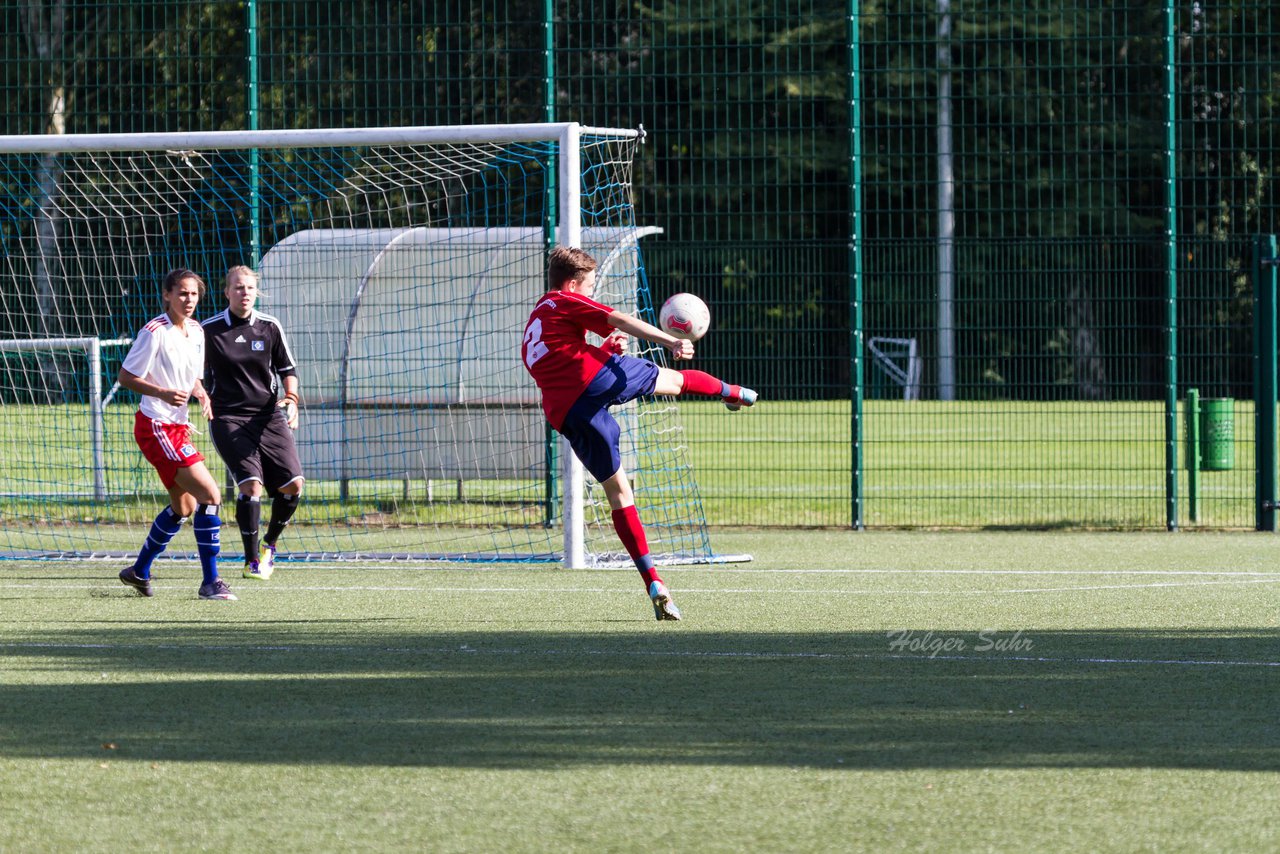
408, 345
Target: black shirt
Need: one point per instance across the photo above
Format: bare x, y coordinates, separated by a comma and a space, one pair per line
242, 358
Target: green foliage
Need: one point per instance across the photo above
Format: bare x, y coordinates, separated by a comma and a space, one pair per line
1060, 134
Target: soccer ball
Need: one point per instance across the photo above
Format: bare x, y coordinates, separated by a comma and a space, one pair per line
685, 316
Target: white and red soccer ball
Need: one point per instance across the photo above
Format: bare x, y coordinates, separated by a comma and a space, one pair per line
685, 316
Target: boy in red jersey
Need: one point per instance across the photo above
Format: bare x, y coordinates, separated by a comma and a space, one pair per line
579, 382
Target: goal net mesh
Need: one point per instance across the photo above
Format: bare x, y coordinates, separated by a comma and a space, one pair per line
402, 275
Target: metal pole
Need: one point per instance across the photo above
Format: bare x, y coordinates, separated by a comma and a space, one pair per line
251, 120
1171, 273
946, 213
1265, 261
96, 420
549, 217
1192, 453
858, 519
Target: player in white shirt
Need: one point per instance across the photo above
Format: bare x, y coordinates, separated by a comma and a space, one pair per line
165, 365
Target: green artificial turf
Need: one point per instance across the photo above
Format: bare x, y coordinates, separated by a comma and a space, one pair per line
1104, 692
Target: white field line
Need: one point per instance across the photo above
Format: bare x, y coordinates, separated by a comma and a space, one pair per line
730, 570
724, 569
282, 589
466, 649
890, 571
1125, 586
1220, 577
772, 591
285, 567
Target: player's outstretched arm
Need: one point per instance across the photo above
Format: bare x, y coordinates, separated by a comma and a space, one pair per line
632, 325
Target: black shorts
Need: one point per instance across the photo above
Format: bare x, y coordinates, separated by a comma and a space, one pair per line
257, 448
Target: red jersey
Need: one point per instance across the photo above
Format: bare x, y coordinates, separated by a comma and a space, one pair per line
555, 349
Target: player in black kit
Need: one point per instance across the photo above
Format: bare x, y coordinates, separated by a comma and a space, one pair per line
252, 428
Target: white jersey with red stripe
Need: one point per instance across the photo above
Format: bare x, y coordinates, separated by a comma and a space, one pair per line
170, 357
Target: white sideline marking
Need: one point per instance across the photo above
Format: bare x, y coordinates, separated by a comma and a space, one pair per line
470, 650
285, 590
1272, 579
1122, 586
983, 592
1222, 578
726, 569
720, 571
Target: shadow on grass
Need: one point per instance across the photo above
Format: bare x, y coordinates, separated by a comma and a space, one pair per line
556, 699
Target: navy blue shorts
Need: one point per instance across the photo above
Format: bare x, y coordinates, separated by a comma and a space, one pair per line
590, 428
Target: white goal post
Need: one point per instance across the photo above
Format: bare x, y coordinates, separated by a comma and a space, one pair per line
91, 348
102, 216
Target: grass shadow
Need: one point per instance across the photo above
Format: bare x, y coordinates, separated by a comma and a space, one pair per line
554, 699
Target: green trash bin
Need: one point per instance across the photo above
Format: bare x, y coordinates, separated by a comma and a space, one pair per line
1217, 434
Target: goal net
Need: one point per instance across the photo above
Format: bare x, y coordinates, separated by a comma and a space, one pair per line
402, 264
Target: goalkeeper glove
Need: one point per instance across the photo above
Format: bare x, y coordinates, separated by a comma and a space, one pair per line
289, 404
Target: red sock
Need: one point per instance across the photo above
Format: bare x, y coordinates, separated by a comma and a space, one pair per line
627, 523
700, 382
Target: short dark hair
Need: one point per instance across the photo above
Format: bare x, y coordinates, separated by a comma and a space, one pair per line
173, 277
567, 263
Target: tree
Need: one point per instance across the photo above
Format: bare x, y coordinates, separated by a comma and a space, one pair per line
45, 22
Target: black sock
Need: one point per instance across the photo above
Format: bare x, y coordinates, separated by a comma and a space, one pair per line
248, 517
282, 510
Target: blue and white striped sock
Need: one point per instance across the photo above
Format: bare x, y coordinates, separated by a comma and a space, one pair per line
163, 530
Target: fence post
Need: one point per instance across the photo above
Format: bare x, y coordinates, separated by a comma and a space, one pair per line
550, 217
1265, 262
1171, 269
856, 340
252, 101
1191, 441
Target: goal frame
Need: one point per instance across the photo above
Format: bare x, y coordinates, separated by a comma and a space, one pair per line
91, 349
568, 228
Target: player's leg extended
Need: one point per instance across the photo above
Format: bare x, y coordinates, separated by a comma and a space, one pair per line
626, 521
207, 525
163, 529
167, 448
672, 382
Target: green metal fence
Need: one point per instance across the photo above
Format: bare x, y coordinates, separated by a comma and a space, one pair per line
973, 254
